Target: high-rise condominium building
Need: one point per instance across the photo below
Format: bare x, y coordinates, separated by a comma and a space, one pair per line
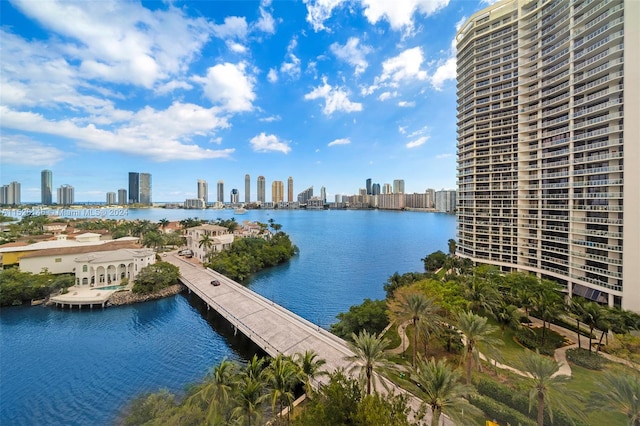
10, 194
46, 187
277, 191
65, 195
542, 143
290, 189
122, 196
220, 191
134, 188
398, 186
323, 194
111, 198
445, 201
305, 195
235, 196
145, 189
375, 189
261, 190
386, 188
368, 186
203, 190
247, 189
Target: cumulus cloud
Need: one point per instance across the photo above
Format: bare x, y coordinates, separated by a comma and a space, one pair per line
405, 66
233, 27
335, 98
416, 143
171, 86
441, 156
342, 141
272, 75
267, 143
161, 135
291, 64
236, 47
266, 23
353, 53
19, 149
270, 119
445, 71
387, 95
119, 42
399, 14
229, 85
405, 104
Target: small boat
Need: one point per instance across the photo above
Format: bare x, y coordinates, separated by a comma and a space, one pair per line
240, 210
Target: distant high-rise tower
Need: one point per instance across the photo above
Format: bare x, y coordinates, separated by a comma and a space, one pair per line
145, 189
65, 195
323, 194
235, 196
398, 186
261, 189
134, 188
277, 191
375, 189
386, 188
10, 194
220, 191
122, 196
290, 189
369, 186
305, 195
247, 189
46, 187
203, 190
111, 198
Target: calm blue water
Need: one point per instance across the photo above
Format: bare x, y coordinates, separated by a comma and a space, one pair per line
78, 368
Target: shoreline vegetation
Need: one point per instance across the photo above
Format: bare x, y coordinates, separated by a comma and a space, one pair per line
439, 334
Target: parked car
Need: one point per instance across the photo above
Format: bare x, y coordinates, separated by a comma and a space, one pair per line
215, 283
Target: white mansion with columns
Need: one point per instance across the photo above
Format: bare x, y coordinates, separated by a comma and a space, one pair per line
111, 267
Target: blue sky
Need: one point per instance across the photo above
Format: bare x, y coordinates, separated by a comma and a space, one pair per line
330, 92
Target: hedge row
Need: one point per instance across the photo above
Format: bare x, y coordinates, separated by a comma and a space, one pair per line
519, 402
500, 412
586, 359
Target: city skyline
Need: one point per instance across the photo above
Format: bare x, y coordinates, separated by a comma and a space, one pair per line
327, 93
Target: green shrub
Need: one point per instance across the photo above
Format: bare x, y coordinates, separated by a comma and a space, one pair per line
532, 338
586, 359
500, 412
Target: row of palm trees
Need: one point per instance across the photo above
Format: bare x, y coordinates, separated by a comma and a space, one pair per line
238, 395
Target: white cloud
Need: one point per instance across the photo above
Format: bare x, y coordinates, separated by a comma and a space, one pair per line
460, 22
291, 65
266, 23
119, 42
342, 141
19, 149
233, 27
352, 53
417, 142
266, 143
236, 47
399, 14
405, 66
319, 11
402, 130
387, 95
405, 104
441, 156
446, 71
270, 119
418, 132
230, 86
172, 85
161, 135
336, 99
272, 75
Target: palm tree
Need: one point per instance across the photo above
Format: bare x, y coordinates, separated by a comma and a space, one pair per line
153, 239
476, 331
309, 368
216, 390
577, 310
254, 368
282, 375
441, 389
249, 398
542, 382
206, 241
594, 316
481, 294
548, 303
507, 316
369, 357
420, 310
452, 247
622, 395
163, 223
